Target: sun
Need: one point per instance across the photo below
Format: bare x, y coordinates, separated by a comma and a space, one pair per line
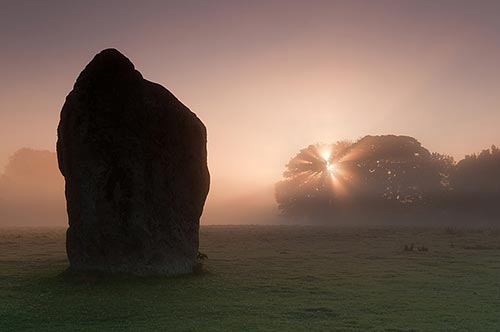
326, 155
330, 167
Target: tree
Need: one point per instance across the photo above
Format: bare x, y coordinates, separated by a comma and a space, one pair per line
32, 190
477, 174
476, 186
445, 165
395, 168
375, 175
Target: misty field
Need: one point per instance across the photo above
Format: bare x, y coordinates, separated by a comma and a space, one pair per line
267, 278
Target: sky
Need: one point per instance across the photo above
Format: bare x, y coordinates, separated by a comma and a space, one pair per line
266, 77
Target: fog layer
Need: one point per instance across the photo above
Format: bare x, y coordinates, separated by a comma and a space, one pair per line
32, 194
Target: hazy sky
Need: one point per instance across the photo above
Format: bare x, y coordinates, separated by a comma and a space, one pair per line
267, 77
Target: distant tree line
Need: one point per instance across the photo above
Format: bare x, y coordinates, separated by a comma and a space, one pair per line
32, 190
389, 179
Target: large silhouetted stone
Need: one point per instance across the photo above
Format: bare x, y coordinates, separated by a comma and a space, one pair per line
135, 163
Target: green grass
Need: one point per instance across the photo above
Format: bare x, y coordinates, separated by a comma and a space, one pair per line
266, 278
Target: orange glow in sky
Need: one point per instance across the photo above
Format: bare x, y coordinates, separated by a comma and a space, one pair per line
267, 78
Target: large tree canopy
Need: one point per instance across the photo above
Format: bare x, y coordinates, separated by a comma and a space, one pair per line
375, 174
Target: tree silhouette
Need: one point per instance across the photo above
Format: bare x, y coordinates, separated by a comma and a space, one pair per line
476, 186
396, 169
377, 176
307, 186
32, 190
479, 174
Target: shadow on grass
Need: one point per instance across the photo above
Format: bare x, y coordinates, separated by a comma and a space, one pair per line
72, 276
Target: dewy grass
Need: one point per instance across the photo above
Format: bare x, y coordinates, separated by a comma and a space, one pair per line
265, 278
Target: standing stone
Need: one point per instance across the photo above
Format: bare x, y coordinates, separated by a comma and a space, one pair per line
135, 163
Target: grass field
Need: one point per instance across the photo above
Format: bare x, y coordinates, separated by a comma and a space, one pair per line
266, 278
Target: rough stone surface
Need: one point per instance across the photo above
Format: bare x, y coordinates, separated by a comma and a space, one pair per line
135, 163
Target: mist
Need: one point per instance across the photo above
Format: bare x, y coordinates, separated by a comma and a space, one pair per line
431, 190
32, 194
32, 190
267, 80
270, 78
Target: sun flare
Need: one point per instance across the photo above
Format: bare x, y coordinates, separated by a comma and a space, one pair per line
326, 155
331, 167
